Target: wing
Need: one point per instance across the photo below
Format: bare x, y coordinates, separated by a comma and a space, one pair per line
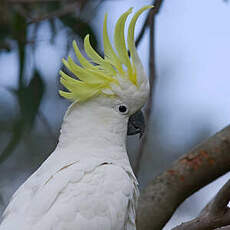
73, 198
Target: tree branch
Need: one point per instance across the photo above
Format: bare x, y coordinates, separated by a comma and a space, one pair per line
67, 9
215, 215
152, 78
31, 1
205, 163
150, 21
142, 32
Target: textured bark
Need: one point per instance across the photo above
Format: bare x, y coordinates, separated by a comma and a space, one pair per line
205, 163
215, 215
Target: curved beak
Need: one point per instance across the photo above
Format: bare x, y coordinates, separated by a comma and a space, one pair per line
136, 124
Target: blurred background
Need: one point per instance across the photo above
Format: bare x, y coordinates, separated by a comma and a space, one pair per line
191, 98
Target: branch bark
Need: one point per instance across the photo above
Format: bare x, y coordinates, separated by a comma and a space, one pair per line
157, 5
205, 163
142, 32
215, 215
150, 21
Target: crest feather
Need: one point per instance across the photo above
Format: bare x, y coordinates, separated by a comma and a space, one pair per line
131, 42
83, 61
97, 59
119, 40
97, 75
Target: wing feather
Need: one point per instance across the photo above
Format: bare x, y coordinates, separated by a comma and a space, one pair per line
74, 198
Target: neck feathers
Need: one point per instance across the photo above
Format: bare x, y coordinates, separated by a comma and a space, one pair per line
95, 130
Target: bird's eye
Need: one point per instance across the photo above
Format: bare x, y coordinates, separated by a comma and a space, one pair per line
123, 109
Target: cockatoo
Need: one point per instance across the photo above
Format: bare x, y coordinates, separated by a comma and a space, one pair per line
87, 183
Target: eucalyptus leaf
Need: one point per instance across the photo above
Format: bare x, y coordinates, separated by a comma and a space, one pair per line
30, 97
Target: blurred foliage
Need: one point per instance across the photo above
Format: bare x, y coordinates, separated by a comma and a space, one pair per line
16, 18
80, 27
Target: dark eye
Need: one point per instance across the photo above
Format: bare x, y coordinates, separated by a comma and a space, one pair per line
123, 109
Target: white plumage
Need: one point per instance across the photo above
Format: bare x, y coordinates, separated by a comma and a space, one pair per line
87, 183
75, 199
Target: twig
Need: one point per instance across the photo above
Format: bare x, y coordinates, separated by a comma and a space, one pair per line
157, 5
143, 29
58, 13
150, 20
31, 1
215, 215
194, 170
152, 78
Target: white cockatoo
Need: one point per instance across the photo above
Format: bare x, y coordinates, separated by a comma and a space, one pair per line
87, 183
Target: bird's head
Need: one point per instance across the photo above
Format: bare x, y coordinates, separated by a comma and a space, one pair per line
119, 76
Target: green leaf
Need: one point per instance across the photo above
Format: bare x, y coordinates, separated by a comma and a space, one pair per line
19, 27
19, 33
30, 97
14, 141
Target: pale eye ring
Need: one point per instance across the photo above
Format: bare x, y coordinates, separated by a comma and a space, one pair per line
123, 109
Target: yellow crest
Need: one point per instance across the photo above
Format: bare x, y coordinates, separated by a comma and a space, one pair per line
96, 75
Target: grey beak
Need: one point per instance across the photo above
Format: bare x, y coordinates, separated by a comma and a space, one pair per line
136, 124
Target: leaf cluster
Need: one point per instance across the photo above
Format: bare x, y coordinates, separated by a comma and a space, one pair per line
17, 19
